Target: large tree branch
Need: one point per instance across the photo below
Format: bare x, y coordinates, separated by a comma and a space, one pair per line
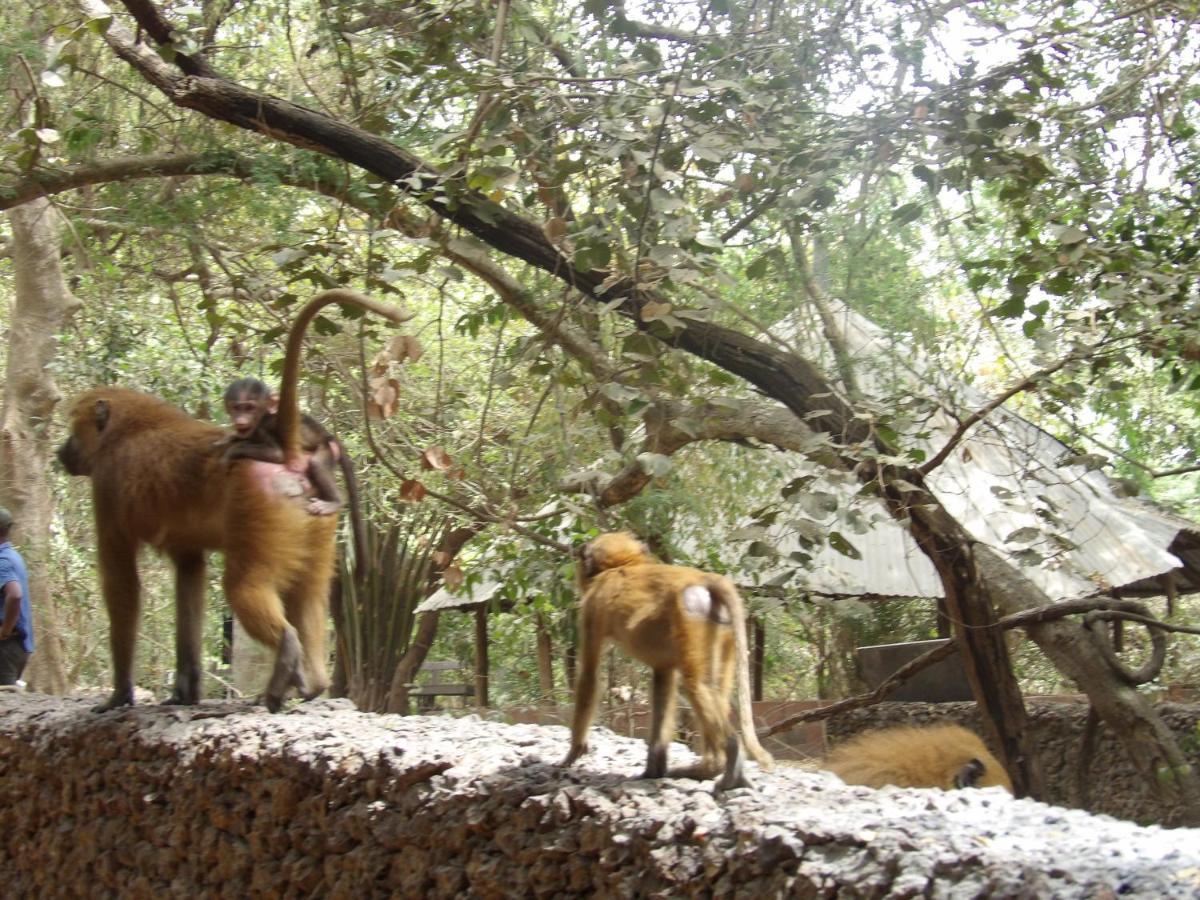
471, 257
671, 426
47, 182
778, 374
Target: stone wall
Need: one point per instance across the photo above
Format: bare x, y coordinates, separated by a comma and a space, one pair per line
1057, 726
225, 800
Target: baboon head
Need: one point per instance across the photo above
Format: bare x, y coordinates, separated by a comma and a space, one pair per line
88, 419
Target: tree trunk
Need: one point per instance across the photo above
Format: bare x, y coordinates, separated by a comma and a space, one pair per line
426, 630
757, 659
1150, 745
410, 663
984, 653
42, 308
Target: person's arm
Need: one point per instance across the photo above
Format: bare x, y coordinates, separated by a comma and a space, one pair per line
12, 608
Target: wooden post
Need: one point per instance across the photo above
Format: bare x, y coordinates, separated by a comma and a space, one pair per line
481, 655
942, 621
1171, 589
756, 661
545, 656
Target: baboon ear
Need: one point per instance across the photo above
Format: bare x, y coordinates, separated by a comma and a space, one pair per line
969, 775
586, 560
100, 414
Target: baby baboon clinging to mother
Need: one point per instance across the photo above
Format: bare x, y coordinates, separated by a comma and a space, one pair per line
684, 624
253, 412
937, 756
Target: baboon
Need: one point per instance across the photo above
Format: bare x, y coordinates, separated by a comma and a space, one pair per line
158, 478
252, 410
937, 756
678, 621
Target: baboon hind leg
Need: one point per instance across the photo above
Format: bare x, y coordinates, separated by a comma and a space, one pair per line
253, 597
585, 690
307, 609
306, 602
712, 721
734, 775
662, 722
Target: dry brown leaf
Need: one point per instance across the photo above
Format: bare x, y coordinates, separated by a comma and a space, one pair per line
555, 229
405, 348
452, 577
654, 310
384, 398
412, 490
436, 458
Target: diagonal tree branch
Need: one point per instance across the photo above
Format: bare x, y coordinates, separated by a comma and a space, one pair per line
782, 375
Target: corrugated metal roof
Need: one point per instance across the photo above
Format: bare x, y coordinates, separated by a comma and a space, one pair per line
463, 597
1063, 525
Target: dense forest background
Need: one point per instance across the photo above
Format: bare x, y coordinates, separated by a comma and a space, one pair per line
1008, 190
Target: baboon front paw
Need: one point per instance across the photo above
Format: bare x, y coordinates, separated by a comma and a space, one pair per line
729, 782
116, 701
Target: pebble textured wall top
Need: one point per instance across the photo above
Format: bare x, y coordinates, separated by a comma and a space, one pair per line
225, 800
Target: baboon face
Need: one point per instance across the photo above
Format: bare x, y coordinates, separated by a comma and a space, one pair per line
971, 775
88, 419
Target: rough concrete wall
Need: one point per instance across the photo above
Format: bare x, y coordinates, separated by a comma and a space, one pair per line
1114, 786
224, 800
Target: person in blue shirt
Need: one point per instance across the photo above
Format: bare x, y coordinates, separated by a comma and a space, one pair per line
16, 627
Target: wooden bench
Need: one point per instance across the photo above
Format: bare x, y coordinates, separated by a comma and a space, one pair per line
425, 693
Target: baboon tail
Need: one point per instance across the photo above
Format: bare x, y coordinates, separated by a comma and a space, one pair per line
726, 594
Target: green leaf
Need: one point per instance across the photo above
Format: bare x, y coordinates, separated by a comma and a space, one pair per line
1069, 234
1012, 308
1023, 536
909, 212
839, 543
926, 174
758, 267
1060, 285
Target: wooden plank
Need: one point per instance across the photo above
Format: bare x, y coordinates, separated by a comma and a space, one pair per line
481, 656
440, 665
443, 690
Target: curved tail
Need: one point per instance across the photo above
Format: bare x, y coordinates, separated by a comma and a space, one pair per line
288, 422
727, 594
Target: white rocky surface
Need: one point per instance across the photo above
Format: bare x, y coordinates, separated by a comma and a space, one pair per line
225, 800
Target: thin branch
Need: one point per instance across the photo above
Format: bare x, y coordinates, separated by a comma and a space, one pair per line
901, 675
988, 408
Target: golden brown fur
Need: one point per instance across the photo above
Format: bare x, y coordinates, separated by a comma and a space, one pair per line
941, 756
158, 478
655, 613
248, 404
